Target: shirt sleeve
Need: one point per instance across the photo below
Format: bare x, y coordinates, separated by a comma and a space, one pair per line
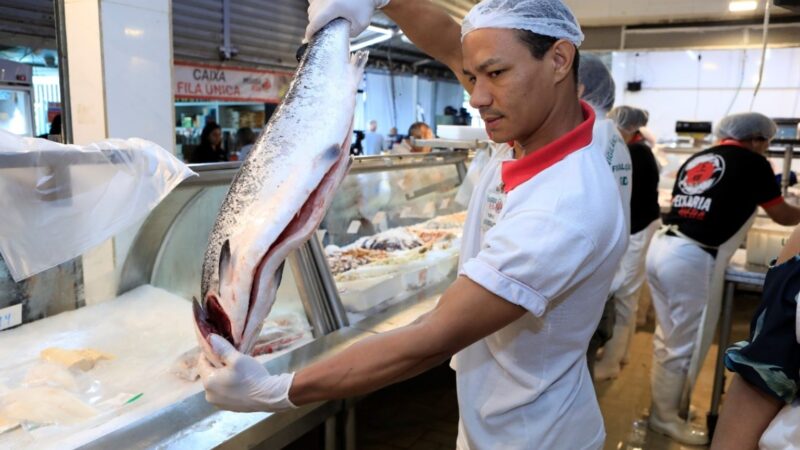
530, 258
766, 189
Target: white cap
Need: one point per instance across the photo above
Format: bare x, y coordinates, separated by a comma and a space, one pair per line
744, 126
546, 17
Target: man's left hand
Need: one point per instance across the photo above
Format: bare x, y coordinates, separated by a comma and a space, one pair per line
243, 384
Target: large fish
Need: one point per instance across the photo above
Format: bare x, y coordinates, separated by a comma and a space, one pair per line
281, 192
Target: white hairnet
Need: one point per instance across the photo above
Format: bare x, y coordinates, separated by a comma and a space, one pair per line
628, 118
598, 86
546, 17
745, 126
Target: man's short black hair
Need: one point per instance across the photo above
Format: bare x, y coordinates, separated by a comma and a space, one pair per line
539, 45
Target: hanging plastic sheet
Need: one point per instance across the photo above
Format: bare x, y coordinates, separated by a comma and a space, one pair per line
58, 201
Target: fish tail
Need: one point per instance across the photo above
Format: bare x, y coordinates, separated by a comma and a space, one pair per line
358, 61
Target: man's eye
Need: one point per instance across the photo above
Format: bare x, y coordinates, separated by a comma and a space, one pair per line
495, 73
471, 80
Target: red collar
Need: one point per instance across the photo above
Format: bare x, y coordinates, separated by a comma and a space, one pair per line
733, 142
521, 170
637, 138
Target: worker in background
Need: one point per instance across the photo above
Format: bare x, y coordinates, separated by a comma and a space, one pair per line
715, 194
597, 88
210, 148
417, 130
245, 138
373, 141
645, 213
543, 236
392, 138
55, 130
761, 408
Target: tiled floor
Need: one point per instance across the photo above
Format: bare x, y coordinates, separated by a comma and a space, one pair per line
422, 414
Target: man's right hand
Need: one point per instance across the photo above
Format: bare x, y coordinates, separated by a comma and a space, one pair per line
357, 12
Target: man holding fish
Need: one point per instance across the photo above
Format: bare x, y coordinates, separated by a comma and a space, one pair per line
545, 231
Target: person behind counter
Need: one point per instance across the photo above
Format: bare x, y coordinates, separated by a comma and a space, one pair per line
245, 138
715, 194
597, 88
417, 130
373, 141
210, 148
644, 222
392, 138
760, 409
543, 236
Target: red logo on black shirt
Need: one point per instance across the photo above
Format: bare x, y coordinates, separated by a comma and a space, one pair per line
701, 173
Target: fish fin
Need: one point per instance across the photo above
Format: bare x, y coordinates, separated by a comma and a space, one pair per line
301, 51
358, 61
279, 273
224, 260
201, 318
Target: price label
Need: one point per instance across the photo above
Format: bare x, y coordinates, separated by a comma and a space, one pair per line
445, 203
380, 222
406, 212
429, 210
354, 227
10, 316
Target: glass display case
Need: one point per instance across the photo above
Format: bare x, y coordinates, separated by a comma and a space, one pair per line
124, 372
191, 117
394, 229
96, 375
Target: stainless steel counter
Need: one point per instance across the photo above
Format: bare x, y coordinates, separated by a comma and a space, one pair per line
195, 424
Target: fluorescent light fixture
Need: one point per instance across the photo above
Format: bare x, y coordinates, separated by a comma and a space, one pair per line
381, 30
133, 32
739, 5
368, 42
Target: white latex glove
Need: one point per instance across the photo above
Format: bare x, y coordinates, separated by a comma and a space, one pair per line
243, 384
357, 12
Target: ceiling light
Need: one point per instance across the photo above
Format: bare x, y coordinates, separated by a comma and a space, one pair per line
133, 32
368, 42
739, 6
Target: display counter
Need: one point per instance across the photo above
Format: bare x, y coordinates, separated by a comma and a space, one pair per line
394, 229
132, 383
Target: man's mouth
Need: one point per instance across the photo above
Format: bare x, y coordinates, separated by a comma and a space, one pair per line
492, 121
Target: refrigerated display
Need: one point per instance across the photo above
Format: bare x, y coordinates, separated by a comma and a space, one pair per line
16, 98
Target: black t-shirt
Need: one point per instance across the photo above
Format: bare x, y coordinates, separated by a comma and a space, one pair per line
207, 154
644, 189
717, 190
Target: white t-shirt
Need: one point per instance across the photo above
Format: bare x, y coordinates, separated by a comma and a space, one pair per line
545, 232
618, 157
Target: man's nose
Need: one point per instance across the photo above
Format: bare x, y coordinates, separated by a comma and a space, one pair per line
480, 96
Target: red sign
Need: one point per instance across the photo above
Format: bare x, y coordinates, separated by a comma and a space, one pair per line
230, 84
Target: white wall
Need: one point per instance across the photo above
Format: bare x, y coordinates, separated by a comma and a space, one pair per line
376, 102
137, 60
120, 86
702, 85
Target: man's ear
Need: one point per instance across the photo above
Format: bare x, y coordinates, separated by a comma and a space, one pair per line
563, 55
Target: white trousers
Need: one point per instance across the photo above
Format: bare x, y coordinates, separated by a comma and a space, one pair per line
630, 276
679, 275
